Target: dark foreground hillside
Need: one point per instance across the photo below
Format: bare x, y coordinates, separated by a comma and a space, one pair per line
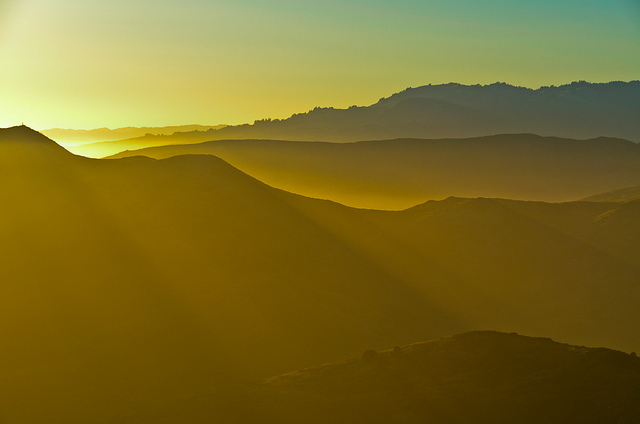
478, 377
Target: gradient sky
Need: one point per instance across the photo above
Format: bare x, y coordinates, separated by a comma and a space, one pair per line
89, 63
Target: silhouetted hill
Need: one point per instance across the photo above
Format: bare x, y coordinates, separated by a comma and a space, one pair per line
395, 174
579, 110
23, 137
153, 283
144, 282
21, 146
478, 377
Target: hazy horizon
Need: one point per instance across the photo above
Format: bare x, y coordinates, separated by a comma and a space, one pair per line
252, 121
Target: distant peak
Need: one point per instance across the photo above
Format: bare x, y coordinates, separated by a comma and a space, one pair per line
21, 127
23, 137
23, 132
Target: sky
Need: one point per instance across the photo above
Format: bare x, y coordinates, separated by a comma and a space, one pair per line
89, 64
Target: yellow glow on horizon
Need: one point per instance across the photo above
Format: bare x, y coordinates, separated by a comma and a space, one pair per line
88, 64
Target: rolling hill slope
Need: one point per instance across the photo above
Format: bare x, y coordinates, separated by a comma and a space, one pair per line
152, 283
396, 174
144, 281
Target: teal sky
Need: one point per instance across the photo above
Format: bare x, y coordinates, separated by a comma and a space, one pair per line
89, 64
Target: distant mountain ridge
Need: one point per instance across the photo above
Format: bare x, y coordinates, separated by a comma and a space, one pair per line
580, 110
74, 137
577, 110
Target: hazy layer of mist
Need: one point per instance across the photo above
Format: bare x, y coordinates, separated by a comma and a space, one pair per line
396, 174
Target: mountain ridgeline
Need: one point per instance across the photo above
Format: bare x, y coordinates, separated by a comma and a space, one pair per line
144, 290
579, 110
104, 141
397, 174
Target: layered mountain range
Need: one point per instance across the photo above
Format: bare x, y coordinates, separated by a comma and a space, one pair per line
74, 137
579, 110
142, 290
397, 174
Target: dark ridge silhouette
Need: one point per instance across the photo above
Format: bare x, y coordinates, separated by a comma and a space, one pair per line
160, 285
395, 174
22, 145
477, 377
26, 137
579, 110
